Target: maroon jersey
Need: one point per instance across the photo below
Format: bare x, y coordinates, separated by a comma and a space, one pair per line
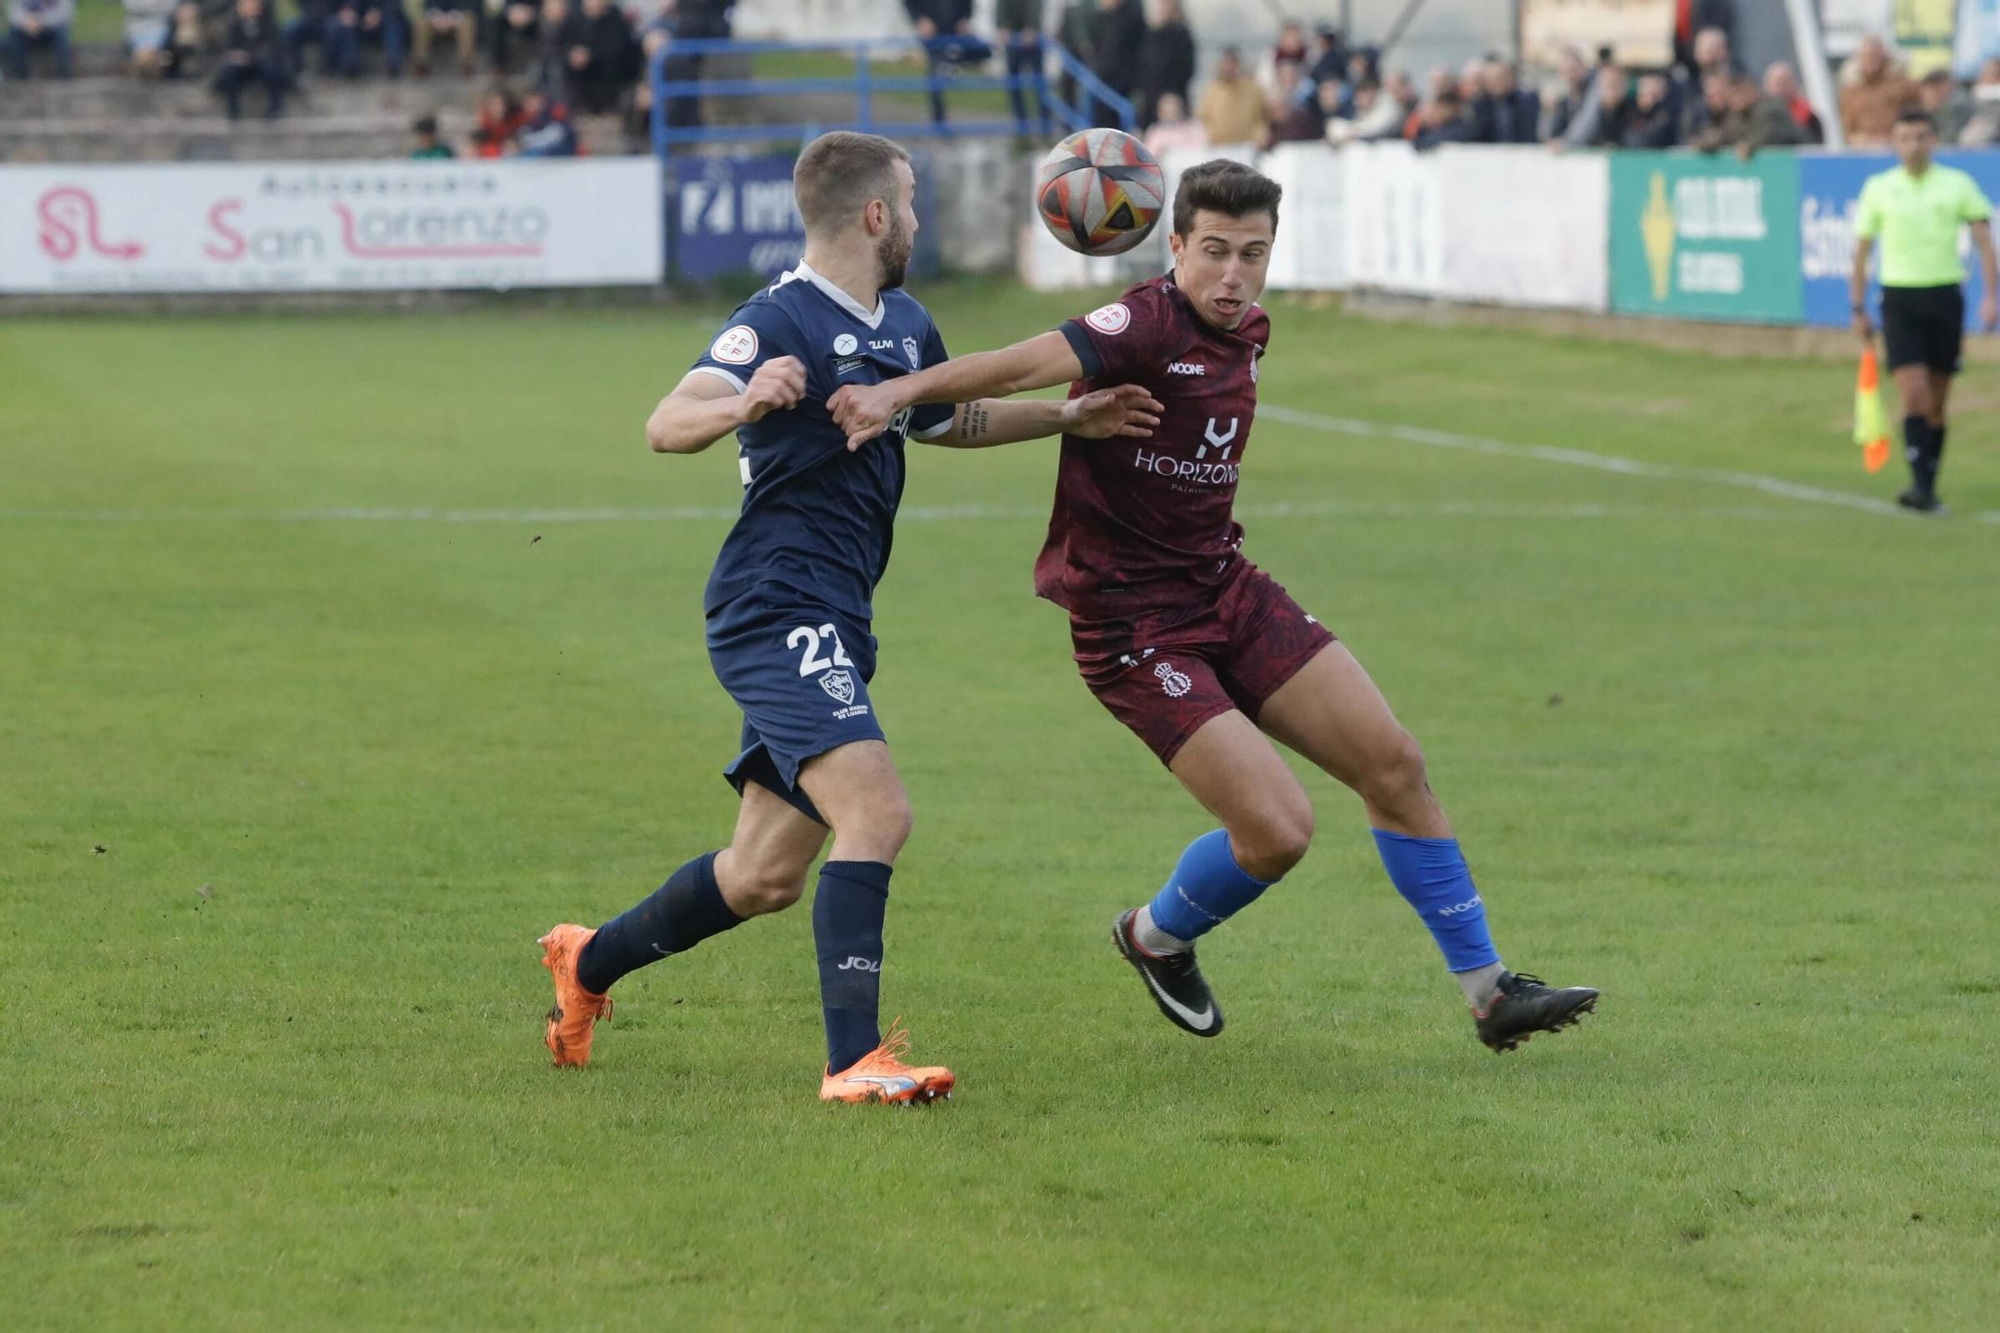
1144, 524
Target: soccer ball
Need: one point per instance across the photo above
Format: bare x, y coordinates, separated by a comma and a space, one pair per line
1100, 192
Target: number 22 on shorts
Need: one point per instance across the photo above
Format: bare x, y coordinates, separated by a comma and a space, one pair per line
812, 639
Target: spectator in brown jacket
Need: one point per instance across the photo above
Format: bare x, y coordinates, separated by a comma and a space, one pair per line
1232, 106
1877, 93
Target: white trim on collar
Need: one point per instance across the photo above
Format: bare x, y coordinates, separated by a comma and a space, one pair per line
872, 318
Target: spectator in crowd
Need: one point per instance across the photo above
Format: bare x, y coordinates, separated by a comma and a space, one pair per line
1782, 82
1983, 129
1472, 81
1692, 18
1295, 115
39, 25
600, 57
1655, 122
515, 26
945, 29
500, 121
428, 144
334, 26
1020, 25
185, 41
1708, 110
1375, 115
1076, 30
1750, 121
1117, 41
440, 18
252, 53
1232, 106
1166, 61
149, 31
1291, 49
1938, 94
1443, 122
1564, 101
1875, 92
1609, 114
704, 20
384, 24
545, 129
1504, 112
639, 106
1330, 57
1713, 54
1173, 128
1401, 94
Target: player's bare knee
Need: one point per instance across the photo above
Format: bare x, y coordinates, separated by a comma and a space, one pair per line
1397, 776
874, 830
771, 891
1270, 845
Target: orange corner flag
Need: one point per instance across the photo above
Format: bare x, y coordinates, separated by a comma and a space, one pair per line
1871, 428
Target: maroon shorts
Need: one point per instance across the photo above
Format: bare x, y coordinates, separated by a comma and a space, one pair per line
1165, 673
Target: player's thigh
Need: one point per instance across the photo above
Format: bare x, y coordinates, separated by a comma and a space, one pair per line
1332, 713
856, 786
1240, 778
774, 845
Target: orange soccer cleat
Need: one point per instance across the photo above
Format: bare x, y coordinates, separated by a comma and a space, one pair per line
881, 1076
573, 1017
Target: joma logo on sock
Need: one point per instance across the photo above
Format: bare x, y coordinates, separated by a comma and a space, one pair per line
860, 965
1460, 909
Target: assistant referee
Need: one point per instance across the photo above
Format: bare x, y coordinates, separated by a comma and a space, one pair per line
1917, 210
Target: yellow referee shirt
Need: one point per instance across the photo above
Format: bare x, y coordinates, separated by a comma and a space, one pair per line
1918, 220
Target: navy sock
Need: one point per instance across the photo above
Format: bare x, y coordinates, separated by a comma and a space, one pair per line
1432, 876
675, 917
848, 907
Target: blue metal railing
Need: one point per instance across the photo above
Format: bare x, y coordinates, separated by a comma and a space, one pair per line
1040, 104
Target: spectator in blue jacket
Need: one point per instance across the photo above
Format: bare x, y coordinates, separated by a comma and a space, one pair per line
1504, 112
546, 132
39, 25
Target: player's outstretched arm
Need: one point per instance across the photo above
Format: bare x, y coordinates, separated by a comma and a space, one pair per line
865, 411
703, 407
1126, 411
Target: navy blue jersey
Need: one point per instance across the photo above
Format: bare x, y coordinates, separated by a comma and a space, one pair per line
815, 517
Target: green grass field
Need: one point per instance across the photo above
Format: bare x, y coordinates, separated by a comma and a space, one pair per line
344, 655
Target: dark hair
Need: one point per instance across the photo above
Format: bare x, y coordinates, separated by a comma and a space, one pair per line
841, 173
1938, 76
1225, 187
1916, 115
426, 125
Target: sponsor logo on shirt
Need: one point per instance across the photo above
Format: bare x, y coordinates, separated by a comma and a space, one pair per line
880, 344
1188, 470
844, 345
1111, 319
849, 363
735, 346
1186, 368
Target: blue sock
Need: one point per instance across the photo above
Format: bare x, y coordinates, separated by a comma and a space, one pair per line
848, 908
675, 917
1205, 890
1431, 874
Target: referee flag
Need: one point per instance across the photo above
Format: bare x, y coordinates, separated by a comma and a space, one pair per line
1871, 427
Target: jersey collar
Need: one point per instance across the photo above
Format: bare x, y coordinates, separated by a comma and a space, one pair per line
872, 318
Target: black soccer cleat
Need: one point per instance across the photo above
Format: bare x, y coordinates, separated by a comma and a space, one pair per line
1524, 1006
1173, 980
1922, 502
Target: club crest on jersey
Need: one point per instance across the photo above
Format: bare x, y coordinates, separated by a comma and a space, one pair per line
844, 345
1253, 366
1113, 319
911, 351
838, 684
1175, 683
735, 346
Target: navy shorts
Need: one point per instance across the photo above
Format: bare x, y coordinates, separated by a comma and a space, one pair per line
800, 673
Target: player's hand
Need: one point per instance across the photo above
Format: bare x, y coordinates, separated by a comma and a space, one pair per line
778, 384
1989, 314
864, 411
1864, 328
1127, 410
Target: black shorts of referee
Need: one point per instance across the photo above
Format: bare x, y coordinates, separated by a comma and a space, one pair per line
1925, 326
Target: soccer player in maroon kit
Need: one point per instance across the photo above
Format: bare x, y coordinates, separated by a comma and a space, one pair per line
1199, 652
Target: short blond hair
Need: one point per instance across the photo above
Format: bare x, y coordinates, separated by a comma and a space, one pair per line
841, 173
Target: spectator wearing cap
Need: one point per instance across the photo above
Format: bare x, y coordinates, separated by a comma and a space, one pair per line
1782, 82
1166, 59
1232, 108
1504, 112
1875, 92
39, 25
1173, 129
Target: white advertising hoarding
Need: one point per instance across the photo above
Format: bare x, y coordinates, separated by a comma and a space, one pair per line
1394, 218
331, 226
1522, 226
1309, 255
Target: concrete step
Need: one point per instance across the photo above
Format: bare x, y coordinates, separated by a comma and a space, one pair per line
112, 97
215, 139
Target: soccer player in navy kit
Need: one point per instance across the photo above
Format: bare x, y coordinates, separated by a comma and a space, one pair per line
1199, 652
789, 609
